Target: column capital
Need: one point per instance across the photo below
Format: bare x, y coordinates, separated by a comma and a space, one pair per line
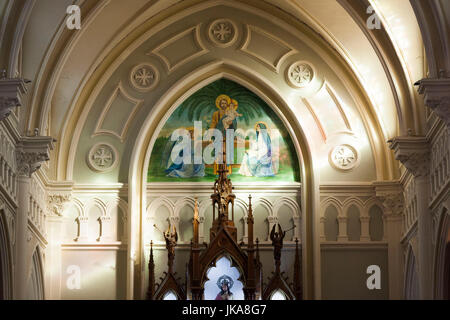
437, 96
31, 153
56, 203
413, 152
11, 92
390, 193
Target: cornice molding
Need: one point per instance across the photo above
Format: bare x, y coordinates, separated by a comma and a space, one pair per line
436, 94
413, 152
11, 93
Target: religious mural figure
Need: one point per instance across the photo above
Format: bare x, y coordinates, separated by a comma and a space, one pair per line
225, 283
231, 114
177, 167
257, 160
268, 155
225, 117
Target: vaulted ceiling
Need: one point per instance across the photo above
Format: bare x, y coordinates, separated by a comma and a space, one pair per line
361, 92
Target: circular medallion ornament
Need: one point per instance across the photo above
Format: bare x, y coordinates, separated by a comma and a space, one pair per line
144, 77
222, 32
300, 74
102, 157
343, 157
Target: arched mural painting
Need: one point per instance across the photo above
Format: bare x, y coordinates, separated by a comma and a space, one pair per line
262, 148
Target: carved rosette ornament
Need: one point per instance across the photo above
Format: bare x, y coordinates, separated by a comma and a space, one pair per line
300, 74
343, 157
222, 32
144, 77
102, 157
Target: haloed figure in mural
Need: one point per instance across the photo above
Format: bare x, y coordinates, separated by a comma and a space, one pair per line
225, 283
257, 161
258, 146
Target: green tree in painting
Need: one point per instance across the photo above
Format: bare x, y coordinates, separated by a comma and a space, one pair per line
202, 103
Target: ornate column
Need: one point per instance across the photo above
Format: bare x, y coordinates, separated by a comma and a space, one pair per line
342, 235
105, 227
322, 229
11, 92
56, 205
391, 195
365, 234
30, 153
414, 153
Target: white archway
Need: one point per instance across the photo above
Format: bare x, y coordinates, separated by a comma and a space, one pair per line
159, 115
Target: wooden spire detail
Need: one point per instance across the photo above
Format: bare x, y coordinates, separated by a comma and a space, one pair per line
151, 278
297, 273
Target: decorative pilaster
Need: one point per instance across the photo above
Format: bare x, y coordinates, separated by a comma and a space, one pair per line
30, 153
56, 205
11, 93
391, 196
414, 153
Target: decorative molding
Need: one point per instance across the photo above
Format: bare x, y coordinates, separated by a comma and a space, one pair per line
413, 152
56, 203
144, 77
11, 92
172, 45
222, 32
344, 157
102, 157
31, 152
300, 74
391, 196
119, 90
284, 49
437, 96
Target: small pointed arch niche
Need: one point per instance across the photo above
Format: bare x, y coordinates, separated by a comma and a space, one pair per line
331, 223
278, 295
223, 267
353, 223
376, 224
170, 295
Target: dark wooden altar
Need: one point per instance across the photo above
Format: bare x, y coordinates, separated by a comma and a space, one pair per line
223, 242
